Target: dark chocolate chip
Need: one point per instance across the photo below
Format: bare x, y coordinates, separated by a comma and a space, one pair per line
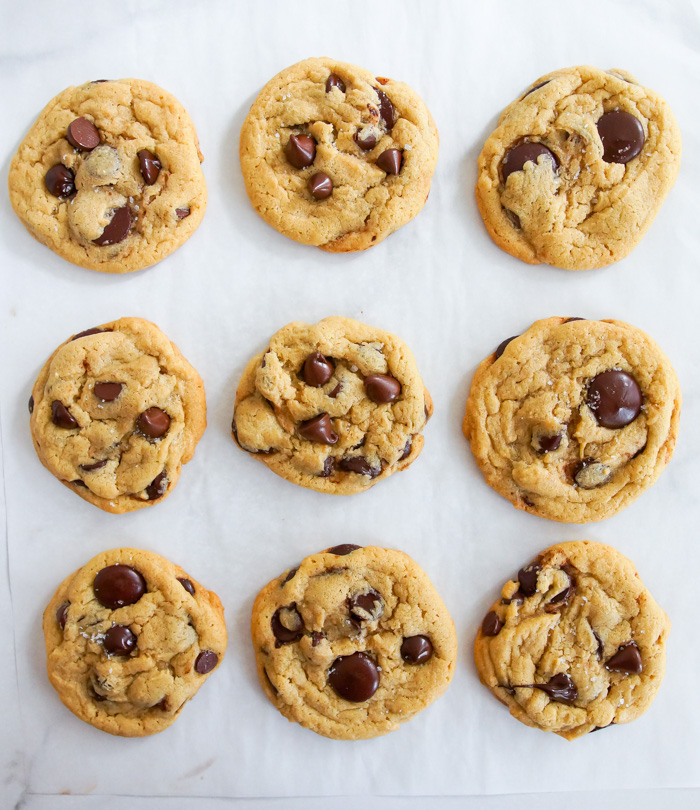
97, 465
560, 688
182, 213
614, 398
319, 429
390, 161
79, 483
83, 134
62, 614
316, 638
354, 677
416, 649
502, 345
61, 416
527, 577
117, 230
30, 404
287, 625
382, 388
548, 444
366, 607
513, 218
334, 393
407, 450
622, 136
205, 662
342, 550
600, 728
518, 597
627, 659
601, 646
366, 143
563, 598
158, 487
536, 87
153, 422
186, 584
328, 467
317, 370
118, 585
300, 151
320, 186
60, 181
290, 575
88, 332
386, 110
569, 320
119, 640
150, 166
491, 626
107, 391
335, 81
528, 152
359, 465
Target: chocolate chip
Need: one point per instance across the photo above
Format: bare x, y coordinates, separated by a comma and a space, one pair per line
119, 640
622, 136
518, 597
548, 444
149, 165
536, 87
354, 677
390, 161
627, 659
83, 134
569, 320
527, 577
317, 370
186, 584
290, 575
316, 638
79, 483
614, 398
61, 416
382, 388
118, 585
300, 151
163, 705
205, 662
513, 218
320, 186
359, 465
335, 81
158, 487
88, 332
589, 474
287, 625
334, 393
366, 142
342, 550
30, 404
182, 213
529, 152
153, 423
386, 109
416, 649
328, 467
502, 346
563, 598
97, 465
319, 429
491, 626
601, 646
117, 230
366, 607
62, 614
560, 688
60, 181
407, 450
107, 391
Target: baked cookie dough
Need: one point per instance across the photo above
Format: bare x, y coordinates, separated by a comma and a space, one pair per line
353, 642
109, 176
578, 168
115, 413
574, 419
130, 638
335, 406
576, 644
334, 157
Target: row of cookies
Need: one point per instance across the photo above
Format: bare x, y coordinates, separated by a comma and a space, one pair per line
355, 641
109, 175
571, 421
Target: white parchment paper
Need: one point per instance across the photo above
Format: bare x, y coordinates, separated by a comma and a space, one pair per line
443, 287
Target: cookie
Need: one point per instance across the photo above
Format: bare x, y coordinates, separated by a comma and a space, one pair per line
578, 168
335, 406
130, 638
576, 644
353, 642
109, 176
115, 413
574, 419
334, 157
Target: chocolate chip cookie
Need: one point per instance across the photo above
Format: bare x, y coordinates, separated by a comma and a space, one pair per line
576, 643
115, 413
574, 419
353, 642
130, 638
335, 406
578, 168
334, 157
109, 176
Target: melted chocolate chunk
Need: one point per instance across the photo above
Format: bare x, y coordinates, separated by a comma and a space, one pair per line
317, 370
186, 584
622, 136
390, 161
416, 649
502, 346
548, 444
387, 113
319, 429
205, 662
117, 230
627, 659
366, 143
366, 607
118, 585
62, 614
560, 688
382, 388
491, 626
354, 677
300, 151
320, 186
158, 487
60, 181
516, 158
62, 417
342, 550
527, 577
107, 391
334, 81
83, 134
614, 398
287, 625
153, 423
359, 465
119, 640
97, 465
149, 165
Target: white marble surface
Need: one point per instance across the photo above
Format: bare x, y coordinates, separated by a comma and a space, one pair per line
451, 294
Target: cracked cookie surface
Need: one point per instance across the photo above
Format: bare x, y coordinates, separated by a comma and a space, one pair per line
109, 176
335, 406
130, 638
578, 168
115, 413
353, 642
574, 419
579, 624
335, 157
